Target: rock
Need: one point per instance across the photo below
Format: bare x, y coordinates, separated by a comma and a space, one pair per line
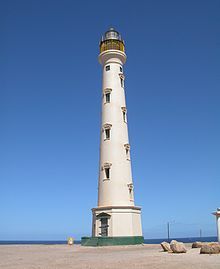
165, 246
213, 244
178, 247
197, 244
173, 241
210, 249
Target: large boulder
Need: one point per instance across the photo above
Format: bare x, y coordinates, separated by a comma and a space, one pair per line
213, 244
178, 247
210, 248
165, 246
197, 244
173, 241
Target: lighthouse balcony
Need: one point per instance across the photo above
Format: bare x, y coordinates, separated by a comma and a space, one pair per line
112, 44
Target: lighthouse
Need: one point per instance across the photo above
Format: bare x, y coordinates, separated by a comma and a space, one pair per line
217, 214
116, 219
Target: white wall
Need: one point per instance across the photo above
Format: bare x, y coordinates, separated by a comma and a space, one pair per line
122, 222
114, 191
114, 198
218, 227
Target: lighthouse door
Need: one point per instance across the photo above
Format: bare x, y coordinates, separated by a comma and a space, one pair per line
104, 227
103, 220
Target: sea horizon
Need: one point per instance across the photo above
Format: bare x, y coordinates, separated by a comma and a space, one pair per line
146, 241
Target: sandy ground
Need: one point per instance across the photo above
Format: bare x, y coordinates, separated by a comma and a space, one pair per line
117, 257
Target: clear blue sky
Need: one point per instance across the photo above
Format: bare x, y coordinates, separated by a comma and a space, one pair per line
50, 105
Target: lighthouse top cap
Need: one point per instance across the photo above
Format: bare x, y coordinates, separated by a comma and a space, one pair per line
217, 213
111, 40
111, 34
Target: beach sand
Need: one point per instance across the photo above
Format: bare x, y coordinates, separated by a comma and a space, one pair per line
115, 257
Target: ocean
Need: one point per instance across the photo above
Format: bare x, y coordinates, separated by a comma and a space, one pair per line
146, 241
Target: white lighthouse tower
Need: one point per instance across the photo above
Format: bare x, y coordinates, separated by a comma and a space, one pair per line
217, 214
116, 219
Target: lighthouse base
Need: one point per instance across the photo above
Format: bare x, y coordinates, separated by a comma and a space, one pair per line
111, 241
115, 225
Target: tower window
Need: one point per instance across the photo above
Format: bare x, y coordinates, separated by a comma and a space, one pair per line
107, 173
122, 78
131, 192
122, 82
107, 131
121, 70
107, 68
127, 151
107, 95
124, 114
106, 168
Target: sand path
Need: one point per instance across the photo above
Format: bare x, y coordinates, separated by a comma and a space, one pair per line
117, 257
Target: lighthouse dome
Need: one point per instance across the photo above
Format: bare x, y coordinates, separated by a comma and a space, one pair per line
112, 34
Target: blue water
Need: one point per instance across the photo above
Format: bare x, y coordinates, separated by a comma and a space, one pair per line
184, 240
146, 241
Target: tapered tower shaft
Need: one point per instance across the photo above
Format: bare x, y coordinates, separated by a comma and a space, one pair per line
116, 220
115, 179
217, 214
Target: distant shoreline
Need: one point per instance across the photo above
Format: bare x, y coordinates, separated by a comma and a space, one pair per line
146, 241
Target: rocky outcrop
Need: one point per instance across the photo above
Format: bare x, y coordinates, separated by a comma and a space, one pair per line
165, 246
210, 248
197, 244
213, 244
177, 247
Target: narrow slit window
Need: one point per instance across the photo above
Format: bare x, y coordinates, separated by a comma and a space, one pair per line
107, 97
127, 151
122, 78
107, 133
107, 173
131, 192
124, 114
122, 82
107, 68
121, 70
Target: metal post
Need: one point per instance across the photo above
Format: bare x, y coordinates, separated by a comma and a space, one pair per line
168, 231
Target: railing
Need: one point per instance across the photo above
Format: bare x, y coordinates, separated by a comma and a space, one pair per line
112, 44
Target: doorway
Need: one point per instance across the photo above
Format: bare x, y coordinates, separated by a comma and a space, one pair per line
104, 224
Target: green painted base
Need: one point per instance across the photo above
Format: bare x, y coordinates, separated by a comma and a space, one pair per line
111, 241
